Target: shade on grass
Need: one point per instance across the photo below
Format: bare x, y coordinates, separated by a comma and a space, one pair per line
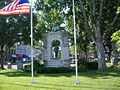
91, 80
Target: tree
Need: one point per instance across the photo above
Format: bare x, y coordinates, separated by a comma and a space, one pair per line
13, 31
93, 16
116, 46
118, 10
98, 22
116, 38
49, 15
116, 35
8, 35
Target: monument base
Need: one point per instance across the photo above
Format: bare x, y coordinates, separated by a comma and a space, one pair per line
57, 63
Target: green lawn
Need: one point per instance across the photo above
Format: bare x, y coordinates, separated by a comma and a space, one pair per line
91, 80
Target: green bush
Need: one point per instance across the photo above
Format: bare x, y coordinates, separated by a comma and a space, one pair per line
82, 61
92, 65
40, 70
72, 69
52, 70
27, 68
36, 64
82, 68
86, 64
82, 65
115, 66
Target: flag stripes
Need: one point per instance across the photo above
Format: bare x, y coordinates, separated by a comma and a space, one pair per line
11, 6
15, 8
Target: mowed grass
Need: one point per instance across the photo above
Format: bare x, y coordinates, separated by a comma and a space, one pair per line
90, 80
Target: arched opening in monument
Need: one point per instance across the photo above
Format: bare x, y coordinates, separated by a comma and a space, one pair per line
56, 49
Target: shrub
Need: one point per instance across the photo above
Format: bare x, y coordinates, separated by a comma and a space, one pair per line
82, 61
72, 69
52, 70
92, 65
82, 68
82, 65
115, 66
40, 70
86, 64
27, 68
36, 64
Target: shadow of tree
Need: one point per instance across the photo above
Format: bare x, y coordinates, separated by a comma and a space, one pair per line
15, 73
91, 74
84, 85
95, 74
30, 86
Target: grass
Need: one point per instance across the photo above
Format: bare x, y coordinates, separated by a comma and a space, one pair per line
91, 80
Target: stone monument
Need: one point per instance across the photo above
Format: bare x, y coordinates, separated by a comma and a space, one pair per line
51, 61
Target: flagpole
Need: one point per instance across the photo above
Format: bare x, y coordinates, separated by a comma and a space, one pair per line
76, 68
31, 23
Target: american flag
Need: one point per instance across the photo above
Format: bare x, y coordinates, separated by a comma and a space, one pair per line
16, 7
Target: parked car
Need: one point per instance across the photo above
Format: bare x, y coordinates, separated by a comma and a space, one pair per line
91, 57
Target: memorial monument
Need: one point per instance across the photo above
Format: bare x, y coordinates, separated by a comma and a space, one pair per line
51, 60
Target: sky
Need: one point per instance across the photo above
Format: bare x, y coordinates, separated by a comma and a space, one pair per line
32, 1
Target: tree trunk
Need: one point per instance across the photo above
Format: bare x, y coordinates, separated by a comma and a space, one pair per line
101, 57
109, 56
100, 49
1, 64
86, 55
1, 58
115, 55
95, 51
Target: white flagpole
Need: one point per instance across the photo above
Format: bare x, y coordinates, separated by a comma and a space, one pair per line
31, 23
76, 68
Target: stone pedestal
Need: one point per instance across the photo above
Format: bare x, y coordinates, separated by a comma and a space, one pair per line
57, 63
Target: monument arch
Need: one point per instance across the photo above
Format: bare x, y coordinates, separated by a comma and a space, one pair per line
63, 49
